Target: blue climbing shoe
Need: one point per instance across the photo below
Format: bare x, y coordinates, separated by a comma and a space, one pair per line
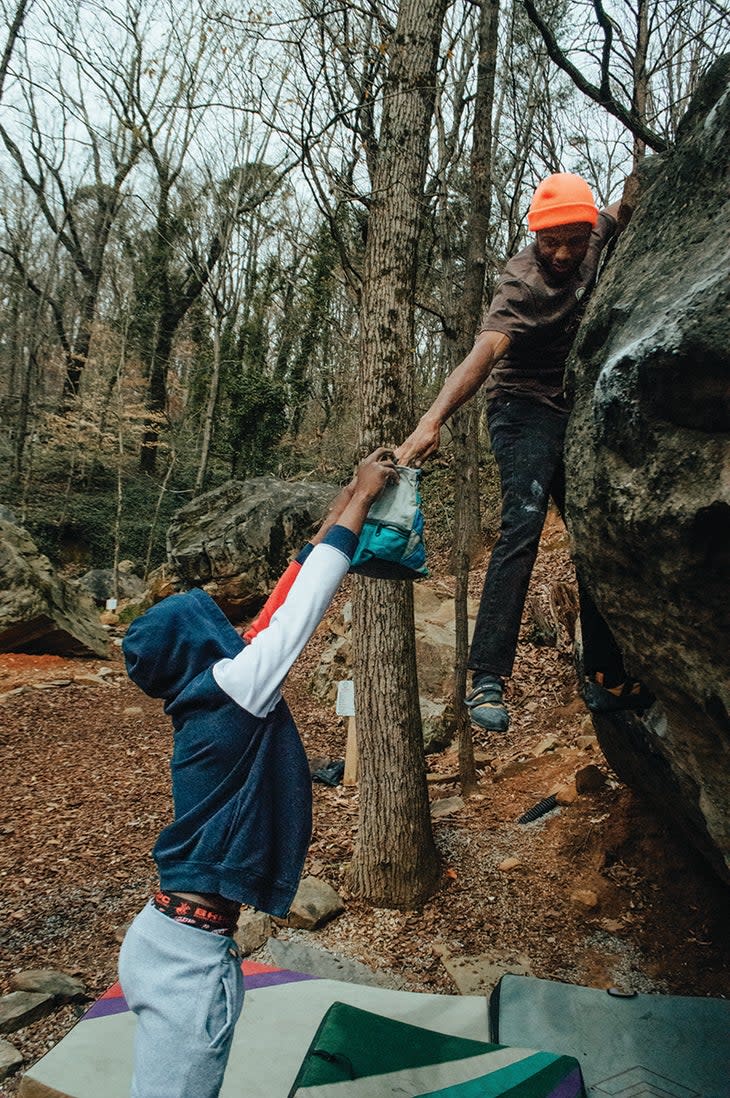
486, 707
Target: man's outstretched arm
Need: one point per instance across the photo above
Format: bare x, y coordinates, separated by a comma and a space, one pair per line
459, 387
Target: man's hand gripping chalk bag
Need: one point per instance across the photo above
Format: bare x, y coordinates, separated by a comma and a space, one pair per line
391, 543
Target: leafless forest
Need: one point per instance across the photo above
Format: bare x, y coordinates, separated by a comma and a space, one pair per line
244, 240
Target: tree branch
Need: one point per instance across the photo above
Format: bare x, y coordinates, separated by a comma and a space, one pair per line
627, 117
13, 32
42, 294
607, 27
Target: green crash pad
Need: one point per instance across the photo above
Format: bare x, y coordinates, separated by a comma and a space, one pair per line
359, 1054
668, 1046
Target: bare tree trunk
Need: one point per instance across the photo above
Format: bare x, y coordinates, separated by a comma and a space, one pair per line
466, 533
158, 505
178, 296
32, 371
395, 862
210, 407
641, 79
121, 365
13, 32
157, 391
466, 422
24, 402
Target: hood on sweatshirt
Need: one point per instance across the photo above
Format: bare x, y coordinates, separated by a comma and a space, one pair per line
177, 639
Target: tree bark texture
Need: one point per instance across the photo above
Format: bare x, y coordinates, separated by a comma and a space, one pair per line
389, 275
210, 407
465, 423
395, 862
640, 94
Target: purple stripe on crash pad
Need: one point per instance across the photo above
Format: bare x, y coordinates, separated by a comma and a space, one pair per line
103, 1008
569, 1087
273, 977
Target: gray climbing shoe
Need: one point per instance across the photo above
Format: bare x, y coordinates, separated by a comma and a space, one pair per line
631, 694
486, 707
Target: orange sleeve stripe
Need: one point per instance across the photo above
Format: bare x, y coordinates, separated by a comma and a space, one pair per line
274, 601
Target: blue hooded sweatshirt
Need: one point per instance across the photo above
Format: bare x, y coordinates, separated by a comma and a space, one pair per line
240, 779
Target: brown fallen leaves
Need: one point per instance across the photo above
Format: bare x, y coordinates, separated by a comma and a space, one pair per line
86, 790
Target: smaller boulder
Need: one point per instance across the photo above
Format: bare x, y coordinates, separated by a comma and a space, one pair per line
10, 1059
480, 974
254, 929
237, 539
566, 794
585, 898
20, 1008
437, 725
446, 806
315, 903
546, 744
50, 982
99, 582
298, 956
590, 779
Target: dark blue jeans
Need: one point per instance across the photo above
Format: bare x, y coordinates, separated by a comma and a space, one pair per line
527, 442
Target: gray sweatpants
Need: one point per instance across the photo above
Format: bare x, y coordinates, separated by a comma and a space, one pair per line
186, 987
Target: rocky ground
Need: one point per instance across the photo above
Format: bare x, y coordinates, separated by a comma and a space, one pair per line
597, 892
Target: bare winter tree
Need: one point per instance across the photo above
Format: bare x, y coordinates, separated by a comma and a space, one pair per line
25, 323
465, 322
223, 294
75, 169
14, 20
240, 294
639, 59
395, 861
167, 113
338, 66
118, 99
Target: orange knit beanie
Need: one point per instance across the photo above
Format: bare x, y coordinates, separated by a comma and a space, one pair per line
561, 199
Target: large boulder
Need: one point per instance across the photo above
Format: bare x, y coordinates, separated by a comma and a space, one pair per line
237, 539
648, 458
39, 611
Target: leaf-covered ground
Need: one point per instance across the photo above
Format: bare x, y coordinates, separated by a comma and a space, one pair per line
599, 892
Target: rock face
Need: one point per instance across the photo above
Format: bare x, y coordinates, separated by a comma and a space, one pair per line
237, 539
648, 459
99, 582
39, 611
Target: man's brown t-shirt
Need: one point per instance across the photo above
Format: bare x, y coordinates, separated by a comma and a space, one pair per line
541, 320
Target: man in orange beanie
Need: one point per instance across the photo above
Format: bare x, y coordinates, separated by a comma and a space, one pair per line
520, 352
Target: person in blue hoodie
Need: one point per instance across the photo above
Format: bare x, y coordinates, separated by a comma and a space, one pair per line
242, 799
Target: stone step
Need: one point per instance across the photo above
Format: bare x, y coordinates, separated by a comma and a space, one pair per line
20, 1008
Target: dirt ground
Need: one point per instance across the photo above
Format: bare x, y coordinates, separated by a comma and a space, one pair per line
599, 892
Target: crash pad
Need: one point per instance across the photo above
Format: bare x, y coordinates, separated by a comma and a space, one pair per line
359, 1054
281, 1013
668, 1046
